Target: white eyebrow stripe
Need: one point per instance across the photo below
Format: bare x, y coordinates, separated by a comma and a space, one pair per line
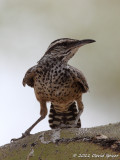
58, 42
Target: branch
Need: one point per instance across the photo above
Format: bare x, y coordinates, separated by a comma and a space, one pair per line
62, 144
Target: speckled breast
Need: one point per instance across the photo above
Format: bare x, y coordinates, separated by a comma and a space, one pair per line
56, 85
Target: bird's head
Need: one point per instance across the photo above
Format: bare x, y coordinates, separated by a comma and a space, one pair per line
63, 49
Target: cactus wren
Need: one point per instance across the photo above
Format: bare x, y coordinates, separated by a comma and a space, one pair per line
55, 81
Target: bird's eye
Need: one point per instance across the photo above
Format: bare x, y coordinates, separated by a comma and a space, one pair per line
64, 44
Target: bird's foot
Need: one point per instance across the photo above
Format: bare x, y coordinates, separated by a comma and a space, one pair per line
25, 134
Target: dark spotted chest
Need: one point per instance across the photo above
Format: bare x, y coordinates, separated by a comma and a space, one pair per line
55, 82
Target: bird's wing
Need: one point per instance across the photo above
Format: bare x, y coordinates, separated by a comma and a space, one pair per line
29, 77
78, 76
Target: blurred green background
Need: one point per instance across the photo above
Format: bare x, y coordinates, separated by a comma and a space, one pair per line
28, 27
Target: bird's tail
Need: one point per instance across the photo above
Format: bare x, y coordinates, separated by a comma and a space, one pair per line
67, 118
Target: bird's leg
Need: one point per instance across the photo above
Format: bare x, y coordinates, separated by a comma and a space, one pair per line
80, 109
43, 113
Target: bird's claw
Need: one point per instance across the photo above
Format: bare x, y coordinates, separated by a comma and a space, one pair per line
23, 135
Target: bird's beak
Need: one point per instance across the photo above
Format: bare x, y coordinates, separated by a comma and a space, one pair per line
83, 42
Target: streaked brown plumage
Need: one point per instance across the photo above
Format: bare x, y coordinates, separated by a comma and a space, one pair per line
56, 81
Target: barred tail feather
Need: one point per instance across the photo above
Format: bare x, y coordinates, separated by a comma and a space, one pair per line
67, 118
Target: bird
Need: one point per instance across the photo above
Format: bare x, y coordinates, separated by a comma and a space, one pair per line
55, 81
